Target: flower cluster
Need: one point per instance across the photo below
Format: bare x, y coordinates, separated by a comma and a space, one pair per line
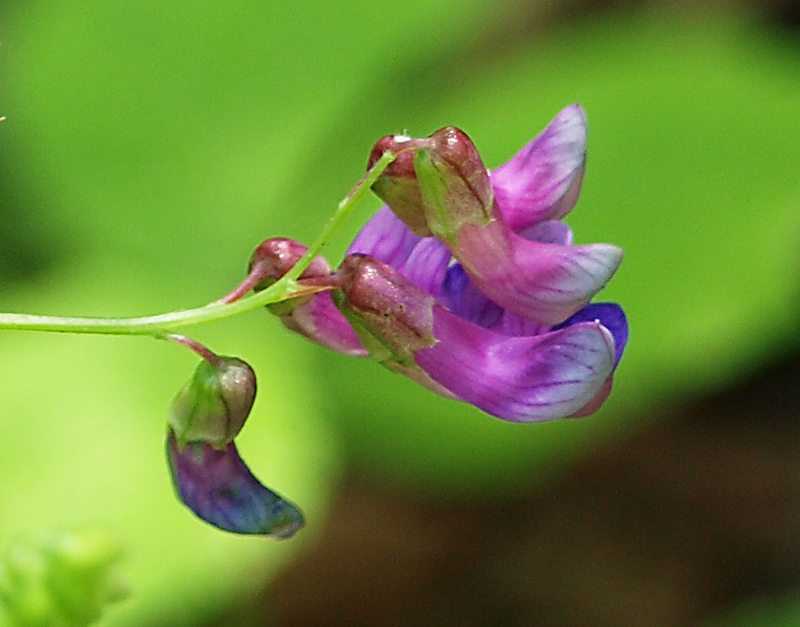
467, 280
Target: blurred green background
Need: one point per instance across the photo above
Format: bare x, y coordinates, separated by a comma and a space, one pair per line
149, 147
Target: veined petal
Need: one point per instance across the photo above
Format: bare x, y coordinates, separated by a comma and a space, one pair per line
597, 400
611, 316
464, 299
543, 179
544, 282
219, 488
522, 379
386, 238
514, 324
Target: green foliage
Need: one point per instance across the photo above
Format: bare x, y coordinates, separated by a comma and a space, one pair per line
60, 580
777, 611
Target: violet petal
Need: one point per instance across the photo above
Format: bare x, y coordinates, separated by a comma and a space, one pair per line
611, 316
463, 298
522, 379
385, 237
514, 324
466, 301
427, 264
544, 282
219, 488
543, 179
320, 320
548, 232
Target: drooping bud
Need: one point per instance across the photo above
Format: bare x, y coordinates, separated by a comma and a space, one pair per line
436, 184
214, 404
393, 316
220, 489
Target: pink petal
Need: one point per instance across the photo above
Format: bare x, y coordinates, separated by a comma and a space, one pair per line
542, 181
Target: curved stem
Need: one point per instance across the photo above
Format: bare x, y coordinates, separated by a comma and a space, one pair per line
245, 287
285, 288
193, 345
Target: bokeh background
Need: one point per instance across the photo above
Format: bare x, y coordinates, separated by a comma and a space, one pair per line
149, 147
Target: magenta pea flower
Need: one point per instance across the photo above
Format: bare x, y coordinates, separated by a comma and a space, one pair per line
468, 282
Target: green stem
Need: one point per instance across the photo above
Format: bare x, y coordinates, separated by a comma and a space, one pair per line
285, 288
193, 345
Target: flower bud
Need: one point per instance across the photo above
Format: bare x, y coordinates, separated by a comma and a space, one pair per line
315, 317
213, 405
394, 317
436, 184
276, 256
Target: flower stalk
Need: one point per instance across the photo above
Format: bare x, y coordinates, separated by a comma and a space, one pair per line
286, 288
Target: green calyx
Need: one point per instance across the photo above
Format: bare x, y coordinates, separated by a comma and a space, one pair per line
448, 199
214, 404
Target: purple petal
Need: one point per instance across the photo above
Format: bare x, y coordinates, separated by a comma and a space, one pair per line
544, 282
513, 324
467, 301
611, 316
454, 283
548, 232
320, 320
522, 379
426, 265
543, 179
217, 486
386, 238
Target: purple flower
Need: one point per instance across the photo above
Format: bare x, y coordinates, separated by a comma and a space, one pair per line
468, 282
207, 471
